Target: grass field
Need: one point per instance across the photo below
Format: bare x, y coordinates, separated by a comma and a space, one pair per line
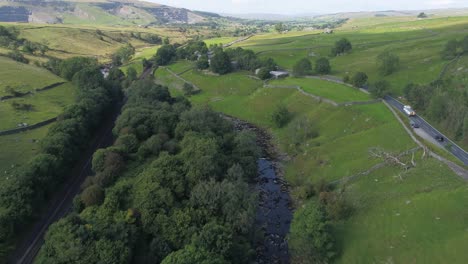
45, 105
23, 77
17, 149
420, 219
334, 91
219, 41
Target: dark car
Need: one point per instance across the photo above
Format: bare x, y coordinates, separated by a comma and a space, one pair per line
414, 124
439, 138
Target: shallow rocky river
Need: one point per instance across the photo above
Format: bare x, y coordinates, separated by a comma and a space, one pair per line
273, 215
274, 212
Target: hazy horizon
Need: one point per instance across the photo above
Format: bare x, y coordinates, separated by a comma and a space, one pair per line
297, 7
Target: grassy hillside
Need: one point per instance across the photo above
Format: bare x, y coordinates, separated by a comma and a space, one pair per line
418, 44
397, 217
17, 149
44, 105
23, 77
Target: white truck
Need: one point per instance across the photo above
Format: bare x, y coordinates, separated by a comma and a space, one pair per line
408, 110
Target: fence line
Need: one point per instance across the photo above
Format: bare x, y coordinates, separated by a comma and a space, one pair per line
26, 128
19, 94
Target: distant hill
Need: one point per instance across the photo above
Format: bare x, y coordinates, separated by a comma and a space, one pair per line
398, 13
272, 17
107, 12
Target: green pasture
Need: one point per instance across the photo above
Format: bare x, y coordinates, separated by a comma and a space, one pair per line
17, 149
45, 105
418, 218
337, 92
418, 43
23, 77
219, 41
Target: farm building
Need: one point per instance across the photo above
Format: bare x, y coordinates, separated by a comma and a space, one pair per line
279, 74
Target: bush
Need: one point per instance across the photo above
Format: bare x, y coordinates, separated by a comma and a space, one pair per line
388, 63
341, 46
221, 63
311, 238
380, 89
202, 63
188, 89
322, 66
359, 79
17, 56
346, 79
302, 67
281, 116
264, 73
165, 55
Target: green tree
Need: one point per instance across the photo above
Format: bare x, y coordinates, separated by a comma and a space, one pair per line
71, 66
311, 237
17, 56
202, 63
341, 46
123, 55
188, 89
422, 15
359, 79
221, 63
264, 73
302, 67
322, 66
380, 89
165, 55
281, 116
93, 195
132, 74
388, 63
192, 255
279, 27
450, 50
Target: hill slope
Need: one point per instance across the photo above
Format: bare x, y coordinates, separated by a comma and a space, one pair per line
107, 12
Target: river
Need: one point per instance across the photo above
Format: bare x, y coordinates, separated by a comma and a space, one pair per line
274, 212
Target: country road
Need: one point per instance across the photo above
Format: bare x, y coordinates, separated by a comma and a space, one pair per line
453, 148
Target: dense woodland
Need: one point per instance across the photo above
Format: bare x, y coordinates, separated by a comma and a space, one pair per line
24, 194
172, 189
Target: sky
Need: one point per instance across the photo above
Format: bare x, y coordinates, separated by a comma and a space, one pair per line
309, 6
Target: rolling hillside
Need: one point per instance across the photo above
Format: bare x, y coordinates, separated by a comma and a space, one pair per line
97, 12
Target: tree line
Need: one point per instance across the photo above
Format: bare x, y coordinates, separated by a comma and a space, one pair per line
34, 183
172, 189
215, 58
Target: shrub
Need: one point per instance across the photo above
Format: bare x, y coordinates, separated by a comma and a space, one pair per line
264, 73
388, 63
302, 67
322, 66
359, 79
341, 46
380, 89
17, 56
188, 89
281, 116
311, 238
